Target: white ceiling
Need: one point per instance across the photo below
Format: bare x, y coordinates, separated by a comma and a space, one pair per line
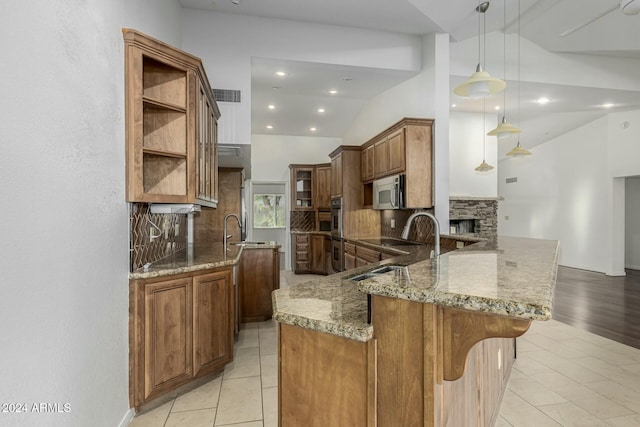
542, 22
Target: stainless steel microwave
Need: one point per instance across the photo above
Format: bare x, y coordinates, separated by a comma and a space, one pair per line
389, 192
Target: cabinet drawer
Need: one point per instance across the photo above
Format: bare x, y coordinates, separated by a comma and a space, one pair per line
367, 254
361, 262
302, 247
302, 266
302, 256
350, 248
302, 238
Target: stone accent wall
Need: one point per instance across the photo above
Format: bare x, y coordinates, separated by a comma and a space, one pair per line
483, 211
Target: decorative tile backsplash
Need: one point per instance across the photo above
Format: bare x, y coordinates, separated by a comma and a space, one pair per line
421, 230
171, 230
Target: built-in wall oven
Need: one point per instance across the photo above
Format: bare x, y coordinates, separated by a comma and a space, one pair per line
336, 234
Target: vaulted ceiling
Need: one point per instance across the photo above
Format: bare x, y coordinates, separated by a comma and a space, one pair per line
610, 44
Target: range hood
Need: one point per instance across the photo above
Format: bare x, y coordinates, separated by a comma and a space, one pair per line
174, 208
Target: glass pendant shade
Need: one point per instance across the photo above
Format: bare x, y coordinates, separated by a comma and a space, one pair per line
480, 84
484, 167
504, 129
518, 151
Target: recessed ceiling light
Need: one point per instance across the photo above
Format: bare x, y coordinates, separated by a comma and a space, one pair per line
281, 74
608, 105
313, 129
347, 79
275, 87
543, 100
269, 127
236, 2
497, 108
333, 91
453, 105
271, 107
320, 110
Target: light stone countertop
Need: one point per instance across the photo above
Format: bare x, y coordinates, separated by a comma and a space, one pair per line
511, 276
201, 257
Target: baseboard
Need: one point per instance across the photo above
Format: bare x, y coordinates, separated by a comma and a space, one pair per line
632, 267
126, 420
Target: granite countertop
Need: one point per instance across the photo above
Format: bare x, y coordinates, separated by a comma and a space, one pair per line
511, 276
201, 257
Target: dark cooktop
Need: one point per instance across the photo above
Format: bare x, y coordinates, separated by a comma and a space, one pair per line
387, 241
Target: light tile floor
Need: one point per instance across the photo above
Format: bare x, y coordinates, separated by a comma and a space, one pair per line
563, 376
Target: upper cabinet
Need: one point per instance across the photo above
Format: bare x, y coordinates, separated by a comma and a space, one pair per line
310, 187
404, 148
323, 186
170, 134
302, 188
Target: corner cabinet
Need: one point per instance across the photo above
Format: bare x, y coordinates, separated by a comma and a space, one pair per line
302, 187
180, 328
165, 123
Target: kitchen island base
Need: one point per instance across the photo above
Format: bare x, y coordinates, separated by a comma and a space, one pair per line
426, 365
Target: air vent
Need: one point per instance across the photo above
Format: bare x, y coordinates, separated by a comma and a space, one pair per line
226, 95
229, 151
511, 180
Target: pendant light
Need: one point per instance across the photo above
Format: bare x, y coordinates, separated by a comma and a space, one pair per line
480, 84
484, 166
518, 150
504, 129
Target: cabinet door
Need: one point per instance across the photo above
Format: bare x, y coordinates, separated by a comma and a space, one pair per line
207, 163
396, 143
322, 184
381, 158
212, 321
349, 261
368, 164
336, 176
167, 335
317, 254
260, 276
302, 191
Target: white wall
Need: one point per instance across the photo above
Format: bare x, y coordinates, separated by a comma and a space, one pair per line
226, 43
425, 96
64, 257
466, 133
632, 223
272, 154
570, 190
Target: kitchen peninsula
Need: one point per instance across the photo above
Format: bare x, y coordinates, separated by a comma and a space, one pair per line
439, 346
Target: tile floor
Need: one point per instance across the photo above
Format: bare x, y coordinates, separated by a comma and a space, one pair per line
563, 376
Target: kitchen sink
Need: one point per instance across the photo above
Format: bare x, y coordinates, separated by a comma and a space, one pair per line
375, 272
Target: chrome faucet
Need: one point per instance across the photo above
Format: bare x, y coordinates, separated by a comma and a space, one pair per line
436, 230
226, 236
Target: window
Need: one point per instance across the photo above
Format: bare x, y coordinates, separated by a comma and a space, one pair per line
268, 211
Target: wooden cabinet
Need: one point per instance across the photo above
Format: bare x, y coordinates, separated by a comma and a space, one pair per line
405, 147
167, 336
301, 253
367, 164
310, 253
259, 276
322, 184
302, 191
336, 175
317, 263
164, 122
207, 170
180, 328
396, 143
212, 321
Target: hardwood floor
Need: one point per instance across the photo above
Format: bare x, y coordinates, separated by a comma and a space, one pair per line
604, 305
